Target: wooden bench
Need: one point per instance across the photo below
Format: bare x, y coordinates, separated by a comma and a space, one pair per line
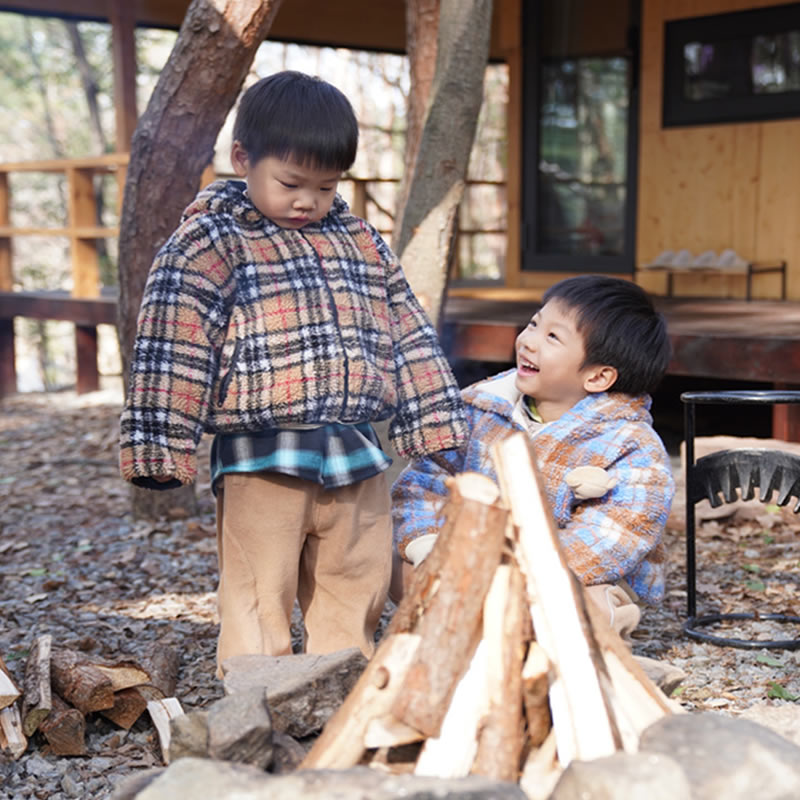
85, 313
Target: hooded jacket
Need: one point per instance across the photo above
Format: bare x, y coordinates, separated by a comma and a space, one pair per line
605, 539
246, 326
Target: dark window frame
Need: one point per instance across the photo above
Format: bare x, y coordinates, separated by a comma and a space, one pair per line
532, 260
678, 111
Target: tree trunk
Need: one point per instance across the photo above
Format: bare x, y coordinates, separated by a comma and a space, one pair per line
425, 239
422, 26
173, 143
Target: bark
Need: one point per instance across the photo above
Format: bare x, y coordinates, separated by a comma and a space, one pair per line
79, 682
425, 239
65, 729
37, 703
422, 26
173, 142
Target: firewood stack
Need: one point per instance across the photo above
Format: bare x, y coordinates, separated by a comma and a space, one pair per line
62, 687
495, 662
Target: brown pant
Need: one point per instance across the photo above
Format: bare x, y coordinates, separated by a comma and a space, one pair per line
281, 537
618, 603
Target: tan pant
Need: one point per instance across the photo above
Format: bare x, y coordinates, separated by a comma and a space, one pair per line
281, 537
618, 603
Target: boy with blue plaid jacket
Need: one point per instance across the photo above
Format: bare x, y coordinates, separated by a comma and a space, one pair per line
282, 323
586, 364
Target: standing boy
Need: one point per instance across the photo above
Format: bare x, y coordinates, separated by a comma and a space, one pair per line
586, 364
282, 323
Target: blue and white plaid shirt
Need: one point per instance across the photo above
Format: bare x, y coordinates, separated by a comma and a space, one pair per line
332, 455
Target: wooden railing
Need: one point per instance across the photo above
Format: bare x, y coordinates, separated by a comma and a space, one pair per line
87, 304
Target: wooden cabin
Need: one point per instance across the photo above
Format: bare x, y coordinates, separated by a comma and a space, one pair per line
689, 151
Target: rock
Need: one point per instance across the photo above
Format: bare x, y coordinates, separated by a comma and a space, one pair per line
303, 690
727, 758
633, 775
189, 735
240, 728
663, 674
190, 777
131, 785
783, 719
287, 753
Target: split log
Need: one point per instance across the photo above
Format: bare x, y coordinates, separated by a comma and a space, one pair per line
161, 712
504, 624
9, 691
342, 741
452, 753
471, 543
582, 718
123, 674
65, 729
129, 705
535, 686
12, 737
37, 702
162, 664
79, 682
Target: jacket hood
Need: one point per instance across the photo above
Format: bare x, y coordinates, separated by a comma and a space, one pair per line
230, 198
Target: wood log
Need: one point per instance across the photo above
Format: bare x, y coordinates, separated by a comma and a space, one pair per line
452, 753
37, 702
9, 691
162, 664
342, 741
123, 674
12, 737
535, 686
541, 771
504, 623
129, 705
79, 682
582, 717
161, 712
65, 729
471, 544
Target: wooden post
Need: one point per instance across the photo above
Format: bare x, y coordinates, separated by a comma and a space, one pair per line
8, 374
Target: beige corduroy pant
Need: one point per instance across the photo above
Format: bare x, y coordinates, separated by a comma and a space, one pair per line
281, 538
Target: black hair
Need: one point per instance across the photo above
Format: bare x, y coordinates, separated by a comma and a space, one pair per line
293, 115
620, 327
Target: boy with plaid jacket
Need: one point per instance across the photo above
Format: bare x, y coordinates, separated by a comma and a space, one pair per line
585, 365
282, 323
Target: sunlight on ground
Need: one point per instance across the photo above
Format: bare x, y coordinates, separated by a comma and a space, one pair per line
193, 607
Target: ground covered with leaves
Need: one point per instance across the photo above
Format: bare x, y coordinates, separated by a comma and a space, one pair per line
76, 565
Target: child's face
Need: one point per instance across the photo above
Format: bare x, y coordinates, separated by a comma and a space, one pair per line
290, 194
550, 356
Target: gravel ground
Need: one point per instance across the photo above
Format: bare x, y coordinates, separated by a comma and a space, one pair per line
73, 563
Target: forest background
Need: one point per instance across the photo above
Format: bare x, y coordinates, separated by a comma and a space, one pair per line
56, 101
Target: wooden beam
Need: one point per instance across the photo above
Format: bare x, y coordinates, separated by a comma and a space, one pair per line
123, 47
58, 305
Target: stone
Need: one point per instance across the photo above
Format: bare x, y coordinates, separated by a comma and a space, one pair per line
189, 735
240, 728
192, 777
663, 674
633, 775
783, 719
287, 753
131, 785
303, 690
735, 759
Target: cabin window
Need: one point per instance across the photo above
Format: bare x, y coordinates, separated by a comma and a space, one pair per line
579, 137
737, 67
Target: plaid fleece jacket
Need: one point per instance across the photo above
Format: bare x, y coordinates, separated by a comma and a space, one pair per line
604, 539
246, 326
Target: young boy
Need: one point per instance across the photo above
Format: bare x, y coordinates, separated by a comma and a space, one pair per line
282, 323
585, 365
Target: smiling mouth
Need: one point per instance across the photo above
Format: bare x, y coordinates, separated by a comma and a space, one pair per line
526, 366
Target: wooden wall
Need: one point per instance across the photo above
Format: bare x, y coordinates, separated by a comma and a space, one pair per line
715, 186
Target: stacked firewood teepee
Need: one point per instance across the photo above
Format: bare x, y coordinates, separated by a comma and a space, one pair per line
494, 663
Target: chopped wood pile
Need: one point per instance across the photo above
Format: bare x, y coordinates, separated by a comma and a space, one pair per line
62, 687
495, 662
